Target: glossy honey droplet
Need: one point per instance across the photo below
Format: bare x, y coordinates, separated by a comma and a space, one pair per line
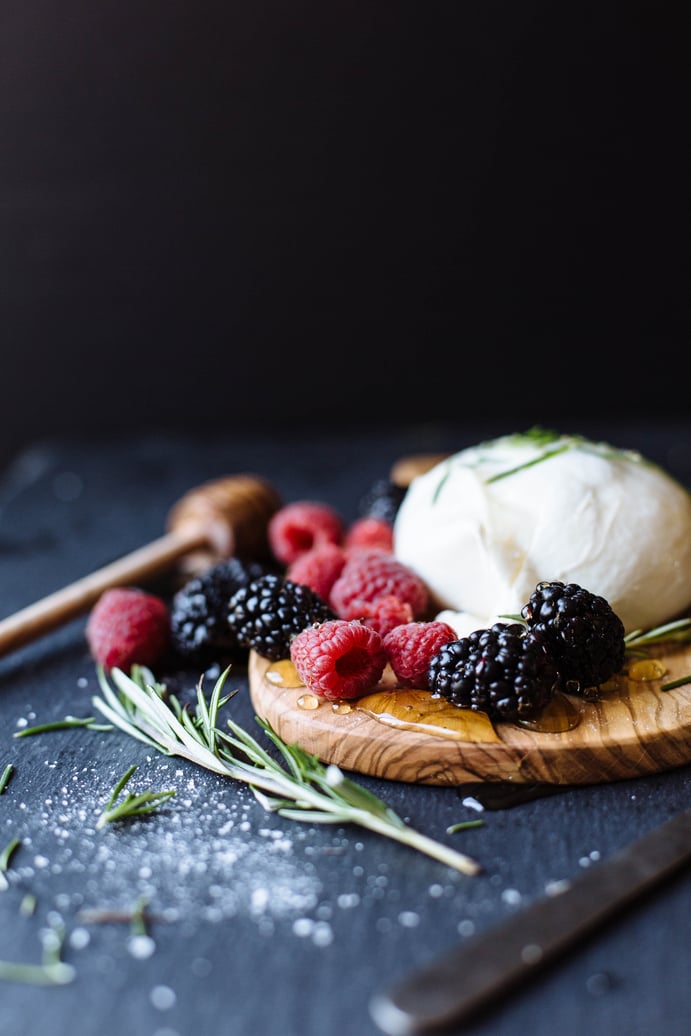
646, 669
309, 702
558, 715
418, 710
283, 674
342, 708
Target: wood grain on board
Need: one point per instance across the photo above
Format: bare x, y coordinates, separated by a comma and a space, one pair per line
633, 729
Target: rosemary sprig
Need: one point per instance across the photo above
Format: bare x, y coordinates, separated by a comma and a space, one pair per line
131, 805
297, 786
51, 972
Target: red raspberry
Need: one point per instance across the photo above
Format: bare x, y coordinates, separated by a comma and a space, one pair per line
370, 533
319, 568
127, 626
298, 527
385, 613
410, 648
369, 574
338, 659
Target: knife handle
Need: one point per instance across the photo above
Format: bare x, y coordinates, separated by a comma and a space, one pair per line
467, 978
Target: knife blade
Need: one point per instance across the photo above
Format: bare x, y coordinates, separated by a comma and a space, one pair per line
465, 979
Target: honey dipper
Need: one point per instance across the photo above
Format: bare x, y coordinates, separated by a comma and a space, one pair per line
222, 517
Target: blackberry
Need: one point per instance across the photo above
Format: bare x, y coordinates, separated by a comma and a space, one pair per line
268, 612
504, 671
584, 635
382, 500
200, 632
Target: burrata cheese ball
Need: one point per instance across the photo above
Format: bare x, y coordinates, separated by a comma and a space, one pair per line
484, 526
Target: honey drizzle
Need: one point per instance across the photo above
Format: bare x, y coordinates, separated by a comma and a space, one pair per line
418, 710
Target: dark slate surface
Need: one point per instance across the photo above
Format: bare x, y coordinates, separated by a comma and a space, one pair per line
263, 926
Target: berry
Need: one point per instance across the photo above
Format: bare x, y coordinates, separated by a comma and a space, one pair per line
585, 636
199, 626
385, 613
504, 671
299, 526
371, 533
382, 500
128, 627
268, 612
319, 568
410, 648
369, 574
339, 659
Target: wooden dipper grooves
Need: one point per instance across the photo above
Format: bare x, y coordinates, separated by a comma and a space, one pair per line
224, 517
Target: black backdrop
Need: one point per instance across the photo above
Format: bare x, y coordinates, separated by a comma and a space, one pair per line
215, 214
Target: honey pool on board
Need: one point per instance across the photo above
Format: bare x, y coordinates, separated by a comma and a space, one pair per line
413, 709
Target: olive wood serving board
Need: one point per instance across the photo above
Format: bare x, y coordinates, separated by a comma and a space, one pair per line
633, 729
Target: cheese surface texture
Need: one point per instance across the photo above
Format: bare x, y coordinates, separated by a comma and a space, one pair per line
485, 525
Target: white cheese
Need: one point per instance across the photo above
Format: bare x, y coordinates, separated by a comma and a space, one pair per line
485, 525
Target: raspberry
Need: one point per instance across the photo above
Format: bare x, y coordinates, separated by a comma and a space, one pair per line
299, 526
385, 613
338, 659
127, 626
370, 533
369, 574
411, 647
319, 568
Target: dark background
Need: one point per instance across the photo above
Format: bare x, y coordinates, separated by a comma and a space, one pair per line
218, 215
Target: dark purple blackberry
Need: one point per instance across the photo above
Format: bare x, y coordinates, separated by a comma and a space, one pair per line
584, 635
200, 632
504, 671
382, 500
267, 613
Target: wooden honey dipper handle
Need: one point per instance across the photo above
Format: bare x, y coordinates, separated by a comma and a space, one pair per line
223, 517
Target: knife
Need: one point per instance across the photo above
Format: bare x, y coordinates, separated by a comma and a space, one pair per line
467, 978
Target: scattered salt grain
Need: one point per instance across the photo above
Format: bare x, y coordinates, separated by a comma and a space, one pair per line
141, 946
162, 998
511, 896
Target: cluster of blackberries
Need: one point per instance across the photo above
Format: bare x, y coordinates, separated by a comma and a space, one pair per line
572, 640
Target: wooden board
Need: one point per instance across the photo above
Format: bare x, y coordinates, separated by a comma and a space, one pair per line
632, 730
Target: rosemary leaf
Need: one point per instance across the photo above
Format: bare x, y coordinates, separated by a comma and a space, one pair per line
680, 682
464, 825
297, 786
5, 777
6, 854
62, 724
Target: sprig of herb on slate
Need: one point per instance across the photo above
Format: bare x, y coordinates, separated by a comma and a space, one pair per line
53, 971
131, 805
296, 786
63, 724
5, 777
5, 857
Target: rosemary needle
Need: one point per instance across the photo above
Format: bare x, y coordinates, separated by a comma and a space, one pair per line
62, 724
296, 786
5, 777
131, 805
